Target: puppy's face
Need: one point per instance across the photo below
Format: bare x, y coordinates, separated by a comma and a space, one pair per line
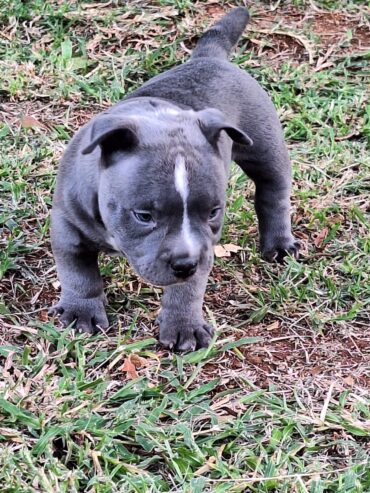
164, 210
162, 192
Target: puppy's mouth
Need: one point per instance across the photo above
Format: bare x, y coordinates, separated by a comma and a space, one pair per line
162, 283
163, 278
156, 274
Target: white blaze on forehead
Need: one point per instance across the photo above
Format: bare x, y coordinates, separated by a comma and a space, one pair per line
166, 111
182, 187
163, 112
181, 178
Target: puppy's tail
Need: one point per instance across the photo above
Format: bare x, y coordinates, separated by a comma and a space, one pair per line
220, 39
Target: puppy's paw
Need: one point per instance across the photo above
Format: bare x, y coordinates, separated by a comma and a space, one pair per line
88, 314
184, 335
277, 249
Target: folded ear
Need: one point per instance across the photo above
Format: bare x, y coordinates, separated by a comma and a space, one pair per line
212, 121
112, 133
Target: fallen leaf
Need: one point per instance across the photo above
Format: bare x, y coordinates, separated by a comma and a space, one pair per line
8, 364
208, 466
321, 237
130, 369
138, 361
232, 248
94, 42
273, 326
43, 316
253, 359
226, 250
302, 235
349, 381
220, 251
28, 121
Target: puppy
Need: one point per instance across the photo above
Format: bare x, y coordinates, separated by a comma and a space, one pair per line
147, 179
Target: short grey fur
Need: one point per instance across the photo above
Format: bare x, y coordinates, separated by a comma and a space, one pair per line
147, 179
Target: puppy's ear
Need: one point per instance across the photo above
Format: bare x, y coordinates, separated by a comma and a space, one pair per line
212, 121
112, 134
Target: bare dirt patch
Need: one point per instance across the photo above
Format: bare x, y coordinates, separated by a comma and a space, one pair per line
291, 352
337, 33
336, 27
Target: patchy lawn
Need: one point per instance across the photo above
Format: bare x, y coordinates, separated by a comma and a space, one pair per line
280, 401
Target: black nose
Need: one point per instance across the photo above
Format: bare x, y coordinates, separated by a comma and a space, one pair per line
184, 267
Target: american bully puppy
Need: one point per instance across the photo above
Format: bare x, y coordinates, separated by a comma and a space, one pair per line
147, 179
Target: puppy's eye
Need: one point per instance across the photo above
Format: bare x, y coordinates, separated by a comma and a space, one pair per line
143, 216
214, 213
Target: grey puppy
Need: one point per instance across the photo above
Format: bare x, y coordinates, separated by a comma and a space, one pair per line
147, 179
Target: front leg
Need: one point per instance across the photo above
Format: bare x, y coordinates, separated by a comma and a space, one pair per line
272, 204
271, 173
82, 299
181, 321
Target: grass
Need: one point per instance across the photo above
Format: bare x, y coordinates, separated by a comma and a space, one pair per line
279, 402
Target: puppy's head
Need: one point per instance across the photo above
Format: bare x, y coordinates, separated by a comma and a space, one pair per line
162, 187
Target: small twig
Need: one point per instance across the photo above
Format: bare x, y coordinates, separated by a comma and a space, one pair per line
97, 5
338, 58
355, 133
302, 40
36, 310
316, 8
326, 403
296, 336
321, 61
305, 352
20, 328
302, 485
274, 7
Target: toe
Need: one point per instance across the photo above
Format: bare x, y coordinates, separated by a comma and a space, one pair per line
168, 343
209, 329
85, 325
55, 310
67, 318
101, 321
280, 251
204, 336
295, 249
270, 255
186, 344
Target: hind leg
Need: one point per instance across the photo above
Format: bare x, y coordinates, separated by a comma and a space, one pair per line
271, 173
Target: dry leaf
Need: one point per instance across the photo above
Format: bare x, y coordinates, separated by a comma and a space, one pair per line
321, 237
43, 316
220, 251
138, 361
226, 250
349, 381
28, 121
273, 326
97, 5
254, 359
232, 248
208, 466
8, 364
130, 369
94, 42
